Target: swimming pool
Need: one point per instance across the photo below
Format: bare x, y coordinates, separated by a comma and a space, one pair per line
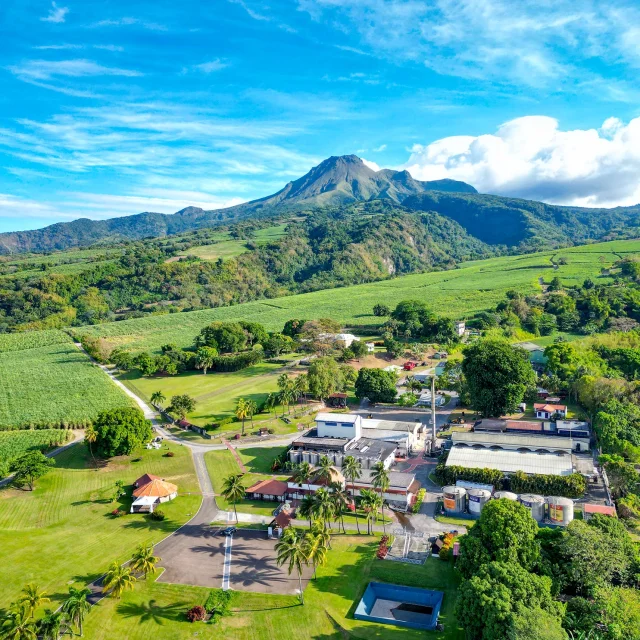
399, 605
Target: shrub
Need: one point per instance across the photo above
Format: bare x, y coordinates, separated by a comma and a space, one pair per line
383, 548
118, 513
419, 500
196, 613
169, 454
225, 421
444, 553
271, 431
158, 515
218, 604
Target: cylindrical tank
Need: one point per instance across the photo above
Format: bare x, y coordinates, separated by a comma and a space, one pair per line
507, 495
314, 457
477, 499
535, 504
560, 510
455, 499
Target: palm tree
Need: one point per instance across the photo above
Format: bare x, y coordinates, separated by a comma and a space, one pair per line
291, 550
369, 501
325, 469
303, 474
157, 398
233, 490
380, 477
340, 499
307, 508
18, 624
76, 606
252, 409
144, 561
53, 625
315, 551
90, 436
271, 402
118, 579
352, 469
323, 505
301, 386
32, 598
242, 411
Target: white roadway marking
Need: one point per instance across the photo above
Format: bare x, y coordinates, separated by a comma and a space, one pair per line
226, 571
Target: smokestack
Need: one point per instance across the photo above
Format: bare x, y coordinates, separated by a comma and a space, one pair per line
433, 411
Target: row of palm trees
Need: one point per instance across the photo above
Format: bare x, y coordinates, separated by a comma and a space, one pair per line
297, 549
20, 622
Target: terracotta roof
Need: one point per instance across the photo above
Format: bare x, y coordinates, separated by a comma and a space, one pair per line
414, 487
599, 508
156, 489
550, 407
338, 395
269, 486
145, 479
523, 425
283, 519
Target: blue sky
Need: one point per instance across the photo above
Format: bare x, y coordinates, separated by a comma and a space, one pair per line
110, 108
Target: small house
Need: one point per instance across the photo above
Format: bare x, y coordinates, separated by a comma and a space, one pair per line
545, 411
460, 327
337, 400
150, 491
269, 489
589, 510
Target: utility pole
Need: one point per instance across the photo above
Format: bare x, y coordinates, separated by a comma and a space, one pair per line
433, 412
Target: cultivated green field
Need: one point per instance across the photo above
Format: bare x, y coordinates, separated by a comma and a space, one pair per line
62, 533
45, 378
458, 293
215, 393
155, 610
14, 443
227, 248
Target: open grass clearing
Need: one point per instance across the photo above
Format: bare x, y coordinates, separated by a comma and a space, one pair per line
156, 610
459, 293
45, 378
63, 533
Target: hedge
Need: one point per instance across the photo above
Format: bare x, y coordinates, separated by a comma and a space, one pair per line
449, 475
237, 361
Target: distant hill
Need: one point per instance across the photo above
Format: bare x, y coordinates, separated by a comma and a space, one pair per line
335, 181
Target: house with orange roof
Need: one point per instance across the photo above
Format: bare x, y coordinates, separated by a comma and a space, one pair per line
151, 491
545, 410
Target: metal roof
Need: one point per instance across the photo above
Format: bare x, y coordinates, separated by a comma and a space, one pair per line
512, 439
337, 417
397, 479
390, 425
511, 461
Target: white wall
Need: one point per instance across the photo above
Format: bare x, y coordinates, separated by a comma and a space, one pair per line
335, 428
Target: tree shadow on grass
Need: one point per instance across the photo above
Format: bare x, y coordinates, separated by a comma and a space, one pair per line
151, 611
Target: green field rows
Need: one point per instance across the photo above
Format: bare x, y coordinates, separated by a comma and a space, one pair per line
45, 378
13, 443
458, 293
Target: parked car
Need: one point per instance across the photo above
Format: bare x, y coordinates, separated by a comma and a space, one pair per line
409, 366
229, 531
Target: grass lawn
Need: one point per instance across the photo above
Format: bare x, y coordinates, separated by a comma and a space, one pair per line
457, 522
62, 532
156, 610
215, 393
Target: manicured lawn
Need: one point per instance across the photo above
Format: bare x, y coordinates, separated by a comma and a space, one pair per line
459, 293
156, 610
62, 532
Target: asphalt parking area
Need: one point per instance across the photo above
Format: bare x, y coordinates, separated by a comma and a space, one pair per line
198, 558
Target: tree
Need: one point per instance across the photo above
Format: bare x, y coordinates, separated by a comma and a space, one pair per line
497, 376
278, 343
32, 598
76, 606
182, 405
394, 348
370, 503
30, 466
255, 332
252, 409
143, 560
242, 410
324, 377
381, 310
293, 328
359, 348
380, 477
315, 551
205, 357
622, 475
491, 600
303, 474
90, 436
118, 490
271, 402
118, 579
18, 624
120, 431
417, 349
233, 490
307, 508
324, 508
53, 625
325, 469
226, 337
505, 532
146, 363
340, 499
352, 469
157, 398
376, 384
291, 550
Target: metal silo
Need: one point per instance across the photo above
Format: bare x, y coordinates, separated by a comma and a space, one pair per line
455, 499
507, 495
560, 510
535, 504
477, 499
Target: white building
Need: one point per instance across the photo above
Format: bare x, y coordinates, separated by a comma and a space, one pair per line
460, 327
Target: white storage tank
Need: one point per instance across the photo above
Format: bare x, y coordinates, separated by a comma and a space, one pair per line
560, 510
507, 495
455, 499
477, 499
535, 504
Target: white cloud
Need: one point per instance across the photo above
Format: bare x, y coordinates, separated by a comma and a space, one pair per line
371, 164
382, 147
210, 67
48, 69
531, 157
59, 47
56, 14
12, 206
127, 22
108, 47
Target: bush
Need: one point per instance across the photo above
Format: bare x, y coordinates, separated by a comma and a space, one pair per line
572, 486
448, 475
169, 454
118, 513
225, 421
444, 553
419, 500
383, 548
271, 431
158, 515
218, 604
196, 613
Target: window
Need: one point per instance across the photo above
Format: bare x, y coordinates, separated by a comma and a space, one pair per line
346, 424
330, 424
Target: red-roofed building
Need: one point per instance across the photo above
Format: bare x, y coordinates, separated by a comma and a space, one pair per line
545, 411
269, 489
524, 425
145, 479
591, 509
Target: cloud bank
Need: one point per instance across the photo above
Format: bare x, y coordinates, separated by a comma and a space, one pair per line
531, 157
